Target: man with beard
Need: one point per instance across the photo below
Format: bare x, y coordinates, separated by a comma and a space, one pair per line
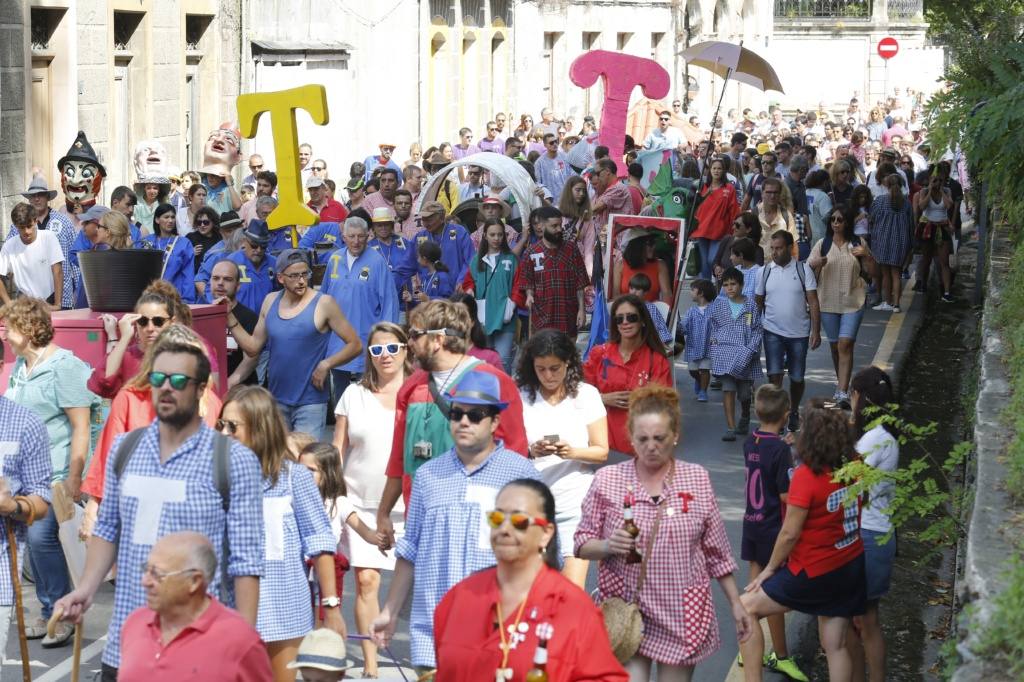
266, 185
385, 196
224, 286
360, 281
383, 159
162, 479
228, 225
256, 274
446, 538
296, 325
39, 197
405, 221
554, 276
438, 339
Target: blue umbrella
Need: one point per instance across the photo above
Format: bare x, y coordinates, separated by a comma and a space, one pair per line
598, 322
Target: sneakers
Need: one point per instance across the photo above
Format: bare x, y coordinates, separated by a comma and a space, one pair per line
841, 399
729, 435
696, 386
947, 297
743, 426
794, 422
702, 396
35, 629
785, 666
896, 309
883, 307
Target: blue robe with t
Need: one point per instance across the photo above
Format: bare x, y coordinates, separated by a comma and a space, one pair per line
254, 282
457, 252
179, 262
365, 293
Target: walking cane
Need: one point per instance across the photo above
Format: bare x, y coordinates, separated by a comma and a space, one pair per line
12, 548
76, 656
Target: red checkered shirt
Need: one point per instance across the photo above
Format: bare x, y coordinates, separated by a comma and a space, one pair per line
556, 277
691, 548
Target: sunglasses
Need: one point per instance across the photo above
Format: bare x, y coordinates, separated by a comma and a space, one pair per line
379, 349
319, 168
664, 118
492, 130
178, 381
476, 415
519, 521
838, 219
204, 222
627, 318
231, 426
415, 333
157, 322
252, 167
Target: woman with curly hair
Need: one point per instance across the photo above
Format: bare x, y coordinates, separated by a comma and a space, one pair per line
820, 545
567, 429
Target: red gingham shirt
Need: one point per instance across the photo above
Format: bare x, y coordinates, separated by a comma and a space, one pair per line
556, 276
690, 550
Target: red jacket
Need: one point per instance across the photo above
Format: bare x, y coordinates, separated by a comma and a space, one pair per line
467, 644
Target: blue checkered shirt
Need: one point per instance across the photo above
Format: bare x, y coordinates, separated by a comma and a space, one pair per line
296, 526
179, 494
65, 231
695, 327
25, 465
735, 342
446, 533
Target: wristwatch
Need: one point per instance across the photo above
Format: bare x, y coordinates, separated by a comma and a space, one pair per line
330, 602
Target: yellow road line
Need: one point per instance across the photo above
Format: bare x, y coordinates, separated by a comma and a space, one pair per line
883, 356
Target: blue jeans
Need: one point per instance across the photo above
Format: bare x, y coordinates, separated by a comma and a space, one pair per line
785, 353
503, 343
305, 418
708, 249
47, 560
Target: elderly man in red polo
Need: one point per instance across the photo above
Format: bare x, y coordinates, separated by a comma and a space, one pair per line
182, 632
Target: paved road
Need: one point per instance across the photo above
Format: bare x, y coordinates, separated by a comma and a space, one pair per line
703, 425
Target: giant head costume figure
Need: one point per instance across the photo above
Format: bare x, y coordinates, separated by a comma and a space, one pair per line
221, 152
81, 175
151, 169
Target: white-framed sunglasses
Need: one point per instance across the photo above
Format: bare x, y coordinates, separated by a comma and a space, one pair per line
379, 349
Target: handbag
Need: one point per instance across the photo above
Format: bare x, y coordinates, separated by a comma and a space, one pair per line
622, 619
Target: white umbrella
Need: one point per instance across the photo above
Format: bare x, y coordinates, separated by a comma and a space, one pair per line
733, 61
508, 170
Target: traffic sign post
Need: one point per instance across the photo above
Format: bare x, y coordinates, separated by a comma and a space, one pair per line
887, 49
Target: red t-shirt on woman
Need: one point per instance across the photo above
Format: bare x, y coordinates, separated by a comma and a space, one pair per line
831, 534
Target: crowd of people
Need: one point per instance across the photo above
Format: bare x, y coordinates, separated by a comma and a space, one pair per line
441, 337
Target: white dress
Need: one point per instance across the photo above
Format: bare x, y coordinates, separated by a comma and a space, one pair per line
569, 480
370, 431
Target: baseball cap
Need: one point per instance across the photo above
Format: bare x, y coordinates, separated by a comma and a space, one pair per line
313, 181
354, 184
431, 208
94, 213
290, 257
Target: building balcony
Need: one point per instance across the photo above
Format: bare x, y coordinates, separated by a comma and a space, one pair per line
825, 11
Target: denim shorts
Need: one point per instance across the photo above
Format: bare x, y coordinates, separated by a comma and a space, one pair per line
785, 353
878, 561
841, 325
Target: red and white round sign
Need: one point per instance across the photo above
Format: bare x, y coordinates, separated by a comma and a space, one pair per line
888, 47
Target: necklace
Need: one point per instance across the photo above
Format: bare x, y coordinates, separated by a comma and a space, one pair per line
36, 359
505, 672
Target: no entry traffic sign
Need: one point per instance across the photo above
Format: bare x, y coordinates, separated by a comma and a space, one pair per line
888, 47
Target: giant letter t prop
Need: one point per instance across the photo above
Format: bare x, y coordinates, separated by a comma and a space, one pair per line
281, 106
620, 73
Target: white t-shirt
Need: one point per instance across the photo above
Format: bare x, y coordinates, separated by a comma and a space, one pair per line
369, 445
569, 480
785, 304
31, 263
880, 450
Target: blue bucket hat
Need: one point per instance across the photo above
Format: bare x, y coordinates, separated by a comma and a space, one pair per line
479, 388
258, 232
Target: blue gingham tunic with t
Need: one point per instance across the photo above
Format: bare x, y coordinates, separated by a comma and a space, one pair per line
695, 326
735, 344
25, 464
190, 501
446, 533
302, 530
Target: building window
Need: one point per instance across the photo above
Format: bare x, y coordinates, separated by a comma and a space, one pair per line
473, 13
442, 10
622, 41
656, 42
195, 29
823, 9
548, 56
44, 25
125, 25
590, 39
501, 9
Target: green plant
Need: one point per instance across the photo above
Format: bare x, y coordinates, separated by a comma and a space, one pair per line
1001, 642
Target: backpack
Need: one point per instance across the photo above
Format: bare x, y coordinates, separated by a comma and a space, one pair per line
826, 243
766, 270
221, 481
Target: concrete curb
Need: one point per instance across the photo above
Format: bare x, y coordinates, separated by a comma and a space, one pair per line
987, 546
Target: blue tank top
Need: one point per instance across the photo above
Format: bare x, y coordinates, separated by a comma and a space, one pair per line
296, 347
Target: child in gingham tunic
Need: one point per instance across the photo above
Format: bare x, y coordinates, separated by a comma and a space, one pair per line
735, 345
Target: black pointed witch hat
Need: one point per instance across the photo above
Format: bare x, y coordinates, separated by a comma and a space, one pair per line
81, 150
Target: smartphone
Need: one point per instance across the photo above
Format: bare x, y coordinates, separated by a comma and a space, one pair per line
552, 439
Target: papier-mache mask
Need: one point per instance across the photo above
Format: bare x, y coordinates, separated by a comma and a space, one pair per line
81, 175
221, 152
150, 159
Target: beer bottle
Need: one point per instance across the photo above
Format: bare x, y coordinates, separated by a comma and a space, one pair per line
538, 673
629, 525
